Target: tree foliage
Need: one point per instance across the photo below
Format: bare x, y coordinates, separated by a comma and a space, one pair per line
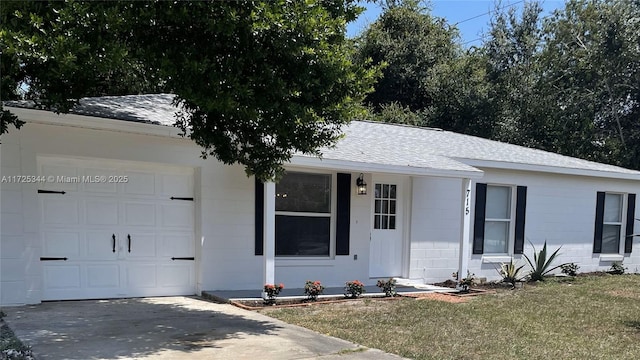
568, 83
427, 79
410, 44
256, 80
592, 68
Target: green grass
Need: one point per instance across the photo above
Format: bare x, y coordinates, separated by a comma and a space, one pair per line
586, 318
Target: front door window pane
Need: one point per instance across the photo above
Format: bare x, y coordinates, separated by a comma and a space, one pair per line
385, 206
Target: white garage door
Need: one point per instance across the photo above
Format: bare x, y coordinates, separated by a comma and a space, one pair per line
115, 229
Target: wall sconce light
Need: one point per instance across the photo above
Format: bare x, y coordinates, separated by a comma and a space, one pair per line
361, 185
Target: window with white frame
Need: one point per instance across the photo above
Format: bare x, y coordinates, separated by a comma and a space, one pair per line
303, 214
385, 207
498, 219
612, 224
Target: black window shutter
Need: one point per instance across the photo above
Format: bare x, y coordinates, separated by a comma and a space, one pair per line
631, 217
259, 218
478, 224
343, 213
521, 206
597, 236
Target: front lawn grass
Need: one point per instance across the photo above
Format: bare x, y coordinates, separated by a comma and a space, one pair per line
595, 317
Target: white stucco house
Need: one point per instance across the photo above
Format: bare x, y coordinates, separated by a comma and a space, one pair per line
110, 201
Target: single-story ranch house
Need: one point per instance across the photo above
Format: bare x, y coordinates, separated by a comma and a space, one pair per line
110, 201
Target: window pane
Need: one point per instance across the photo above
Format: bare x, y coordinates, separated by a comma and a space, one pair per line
498, 202
392, 222
613, 208
392, 191
611, 239
376, 222
378, 206
385, 222
392, 206
302, 192
385, 191
496, 234
378, 190
302, 235
385, 206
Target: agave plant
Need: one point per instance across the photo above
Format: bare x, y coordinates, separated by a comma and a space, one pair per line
510, 273
541, 266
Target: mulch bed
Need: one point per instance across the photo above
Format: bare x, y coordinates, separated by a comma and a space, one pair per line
284, 303
453, 297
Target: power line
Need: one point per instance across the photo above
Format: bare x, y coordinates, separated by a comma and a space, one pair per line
504, 7
489, 12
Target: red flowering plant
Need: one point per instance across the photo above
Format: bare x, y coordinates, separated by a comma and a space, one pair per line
353, 289
271, 291
312, 289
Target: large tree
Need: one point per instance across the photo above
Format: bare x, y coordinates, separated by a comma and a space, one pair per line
591, 61
517, 94
256, 81
410, 44
427, 80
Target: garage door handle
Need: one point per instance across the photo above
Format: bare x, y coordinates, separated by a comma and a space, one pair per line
129, 241
113, 242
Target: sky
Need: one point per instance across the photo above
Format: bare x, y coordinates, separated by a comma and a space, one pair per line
472, 16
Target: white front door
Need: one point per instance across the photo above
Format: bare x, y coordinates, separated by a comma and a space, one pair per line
118, 236
385, 258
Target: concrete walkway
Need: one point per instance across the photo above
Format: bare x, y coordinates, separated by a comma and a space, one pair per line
172, 328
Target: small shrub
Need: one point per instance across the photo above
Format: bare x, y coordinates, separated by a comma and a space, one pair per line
353, 289
541, 266
570, 269
617, 268
465, 284
312, 289
388, 287
271, 292
510, 273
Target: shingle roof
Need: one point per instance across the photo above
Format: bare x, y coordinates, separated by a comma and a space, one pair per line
151, 108
365, 142
413, 142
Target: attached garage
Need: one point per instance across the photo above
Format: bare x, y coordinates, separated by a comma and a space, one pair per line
115, 229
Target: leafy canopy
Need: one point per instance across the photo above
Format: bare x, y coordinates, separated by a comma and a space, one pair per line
256, 81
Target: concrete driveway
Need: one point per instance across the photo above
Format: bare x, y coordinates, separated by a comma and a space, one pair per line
169, 328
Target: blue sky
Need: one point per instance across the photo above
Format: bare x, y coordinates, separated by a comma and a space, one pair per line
472, 15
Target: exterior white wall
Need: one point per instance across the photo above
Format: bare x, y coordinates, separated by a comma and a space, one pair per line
223, 194
561, 210
224, 201
19, 280
436, 225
